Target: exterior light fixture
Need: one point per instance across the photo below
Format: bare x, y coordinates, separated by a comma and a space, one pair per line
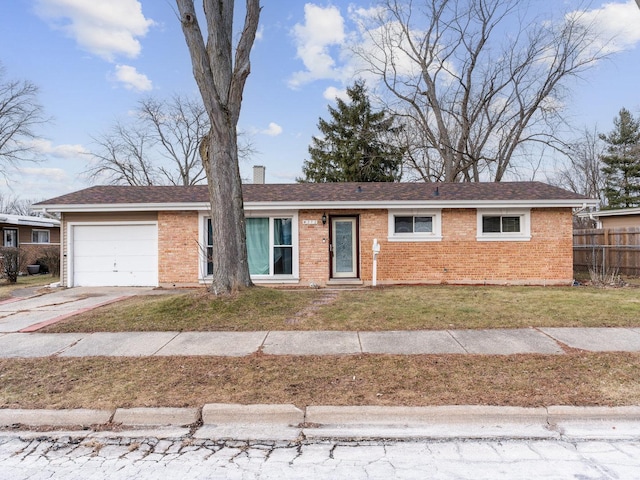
324, 218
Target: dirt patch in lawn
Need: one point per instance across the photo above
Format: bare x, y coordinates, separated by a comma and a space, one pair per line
392, 308
520, 380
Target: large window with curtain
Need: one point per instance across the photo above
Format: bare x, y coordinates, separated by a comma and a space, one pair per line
269, 246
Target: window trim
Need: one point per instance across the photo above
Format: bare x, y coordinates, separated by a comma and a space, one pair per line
6, 231
525, 225
271, 215
48, 232
436, 221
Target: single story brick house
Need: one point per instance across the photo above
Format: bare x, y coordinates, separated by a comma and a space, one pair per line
32, 234
323, 234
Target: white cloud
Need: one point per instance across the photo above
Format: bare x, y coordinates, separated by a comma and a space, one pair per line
104, 28
131, 79
45, 175
260, 33
45, 147
323, 28
273, 131
326, 46
331, 93
617, 23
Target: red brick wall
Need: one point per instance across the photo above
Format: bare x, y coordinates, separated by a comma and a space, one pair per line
178, 248
313, 248
458, 258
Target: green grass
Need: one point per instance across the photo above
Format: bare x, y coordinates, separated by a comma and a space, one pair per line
393, 308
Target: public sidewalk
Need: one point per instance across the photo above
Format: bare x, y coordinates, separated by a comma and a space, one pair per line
549, 341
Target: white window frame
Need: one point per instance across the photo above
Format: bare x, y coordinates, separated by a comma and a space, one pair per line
8, 233
436, 222
41, 231
271, 215
525, 225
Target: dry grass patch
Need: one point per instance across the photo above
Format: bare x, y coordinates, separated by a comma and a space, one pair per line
252, 309
455, 307
24, 281
392, 308
519, 380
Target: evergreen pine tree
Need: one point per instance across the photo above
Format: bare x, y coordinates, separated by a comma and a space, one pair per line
355, 146
622, 162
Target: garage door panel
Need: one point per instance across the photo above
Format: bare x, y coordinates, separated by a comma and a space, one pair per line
109, 263
112, 233
102, 248
115, 255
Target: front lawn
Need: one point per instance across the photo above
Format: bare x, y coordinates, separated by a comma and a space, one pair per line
392, 308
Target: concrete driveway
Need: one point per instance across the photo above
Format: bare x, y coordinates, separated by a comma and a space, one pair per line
27, 314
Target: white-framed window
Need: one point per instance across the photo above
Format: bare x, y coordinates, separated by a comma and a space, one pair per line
40, 236
10, 237
271, 246
414, 225
504, 224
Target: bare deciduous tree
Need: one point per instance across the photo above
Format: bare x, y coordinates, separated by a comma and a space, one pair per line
178, 126
159, 146
582, 173
20, 114
475, 90
15, 205
221, 78
121, 156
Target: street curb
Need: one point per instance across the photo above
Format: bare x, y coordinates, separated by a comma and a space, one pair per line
449, 414
259, 420
57, 418
568, 413
269, 414
163, 416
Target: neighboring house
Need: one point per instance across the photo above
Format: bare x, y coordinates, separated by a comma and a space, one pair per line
31, 234
618, 218
322, 234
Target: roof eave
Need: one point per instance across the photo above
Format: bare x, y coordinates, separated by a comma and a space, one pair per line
203, 206
614, 213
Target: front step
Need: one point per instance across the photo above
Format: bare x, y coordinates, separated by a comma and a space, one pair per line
344, 282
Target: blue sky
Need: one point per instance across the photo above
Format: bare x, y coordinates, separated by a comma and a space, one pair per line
93, 60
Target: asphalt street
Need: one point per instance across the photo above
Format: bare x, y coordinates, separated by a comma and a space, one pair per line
42, 456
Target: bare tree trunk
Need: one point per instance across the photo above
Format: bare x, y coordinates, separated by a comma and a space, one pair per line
221, 81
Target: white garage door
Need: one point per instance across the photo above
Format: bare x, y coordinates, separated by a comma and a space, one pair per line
115, 255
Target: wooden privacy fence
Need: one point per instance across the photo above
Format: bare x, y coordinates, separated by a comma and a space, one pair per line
606, 250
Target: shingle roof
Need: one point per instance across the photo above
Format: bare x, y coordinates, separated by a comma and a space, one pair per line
321, 192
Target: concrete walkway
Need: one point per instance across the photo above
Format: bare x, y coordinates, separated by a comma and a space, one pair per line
21, 317
547, 341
